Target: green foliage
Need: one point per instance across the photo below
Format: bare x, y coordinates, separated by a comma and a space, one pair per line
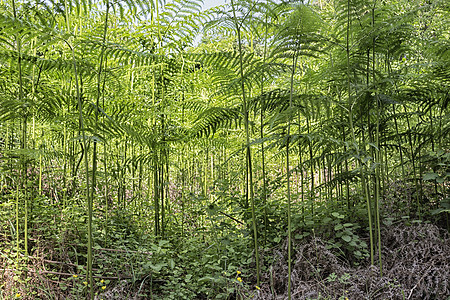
172, 166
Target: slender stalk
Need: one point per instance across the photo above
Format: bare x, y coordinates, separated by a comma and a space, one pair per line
99, 90
162, 183
17, 224
88, 196
294, 63
106, 196
377, 188
347, 182
40, 174
352, 131
263, 156
156, 195
86, 162
377, 151
24, 176
349, 91
413, 161
311, 167
302, 174
249, 178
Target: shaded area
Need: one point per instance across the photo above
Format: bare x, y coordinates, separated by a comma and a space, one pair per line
416, 263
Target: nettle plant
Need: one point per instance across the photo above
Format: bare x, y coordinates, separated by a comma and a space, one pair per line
347, 238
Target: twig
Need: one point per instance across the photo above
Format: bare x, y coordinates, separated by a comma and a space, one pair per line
95, 276
117, 250
69, 274
414, 287
56, 262
121, 250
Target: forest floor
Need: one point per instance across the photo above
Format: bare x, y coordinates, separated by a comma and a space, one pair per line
415, 265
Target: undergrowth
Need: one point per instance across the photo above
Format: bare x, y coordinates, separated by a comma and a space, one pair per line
330, 260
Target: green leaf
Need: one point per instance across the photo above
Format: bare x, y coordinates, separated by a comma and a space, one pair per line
346, 238
439, 210
157, 267
206, 279
163, 242
326, 220
430, 176
337, 215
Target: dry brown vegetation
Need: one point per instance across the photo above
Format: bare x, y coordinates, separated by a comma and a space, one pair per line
416, 262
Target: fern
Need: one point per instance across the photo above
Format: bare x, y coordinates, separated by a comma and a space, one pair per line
216, 117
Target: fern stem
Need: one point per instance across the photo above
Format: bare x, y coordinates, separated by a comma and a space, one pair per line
263, 157
86, 162
294, 63
249, 178
23, 181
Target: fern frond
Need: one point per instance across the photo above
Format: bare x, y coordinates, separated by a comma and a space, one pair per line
213, 118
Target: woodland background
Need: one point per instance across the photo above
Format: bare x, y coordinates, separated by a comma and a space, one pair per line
256, 150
